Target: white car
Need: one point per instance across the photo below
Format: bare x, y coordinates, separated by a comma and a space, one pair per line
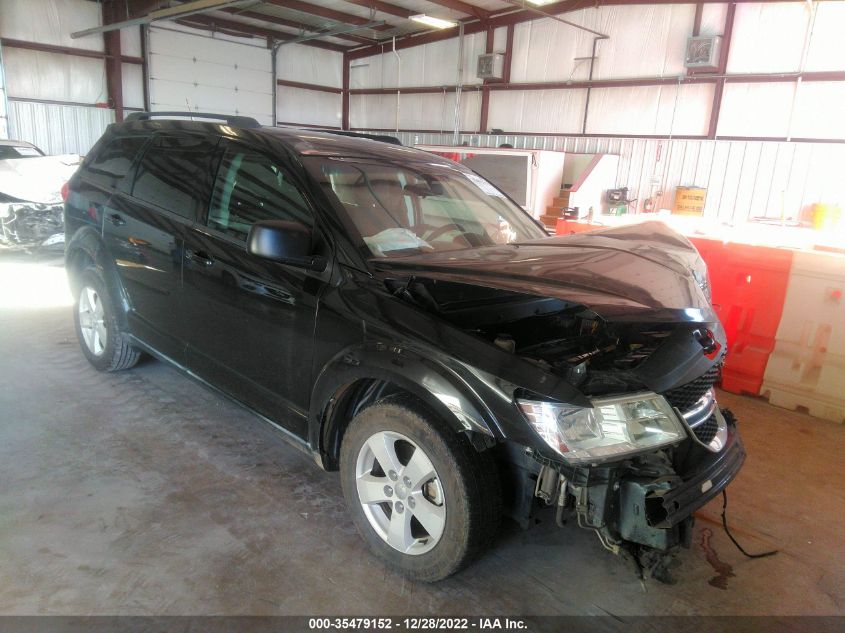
31, 202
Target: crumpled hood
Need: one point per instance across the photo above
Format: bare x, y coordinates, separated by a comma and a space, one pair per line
644, 272
39, 179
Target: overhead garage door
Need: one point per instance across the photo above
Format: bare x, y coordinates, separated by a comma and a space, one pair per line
189, 70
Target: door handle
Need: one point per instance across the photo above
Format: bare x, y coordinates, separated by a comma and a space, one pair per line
199, 257
115, 219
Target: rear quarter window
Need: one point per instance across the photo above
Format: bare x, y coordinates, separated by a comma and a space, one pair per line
113, 162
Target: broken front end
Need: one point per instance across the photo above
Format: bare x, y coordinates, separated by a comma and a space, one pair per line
31, 202
30, 225
644, 444
642, 504
606, 346
652, 448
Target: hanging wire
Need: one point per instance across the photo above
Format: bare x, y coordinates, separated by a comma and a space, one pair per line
730, 536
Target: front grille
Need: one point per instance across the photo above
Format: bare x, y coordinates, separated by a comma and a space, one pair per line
685, 396
707, 430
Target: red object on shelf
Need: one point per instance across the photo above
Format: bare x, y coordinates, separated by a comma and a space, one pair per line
749, 288
568, 227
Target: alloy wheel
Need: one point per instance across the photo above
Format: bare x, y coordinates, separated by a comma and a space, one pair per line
400, 493
92, 321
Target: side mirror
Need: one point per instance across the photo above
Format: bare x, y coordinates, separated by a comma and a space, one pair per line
284, 241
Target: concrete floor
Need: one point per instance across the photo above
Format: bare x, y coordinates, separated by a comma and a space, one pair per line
144, 493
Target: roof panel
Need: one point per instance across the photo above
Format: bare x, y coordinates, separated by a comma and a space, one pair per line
287, 14
395, 26
324, 23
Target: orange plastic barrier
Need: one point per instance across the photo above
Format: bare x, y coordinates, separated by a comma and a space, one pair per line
749, 288
568, 227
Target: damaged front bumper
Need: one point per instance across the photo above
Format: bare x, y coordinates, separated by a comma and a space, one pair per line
667, 507
645, 503
31, 225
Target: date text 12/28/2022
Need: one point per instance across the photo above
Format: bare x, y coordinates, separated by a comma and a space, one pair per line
416, 623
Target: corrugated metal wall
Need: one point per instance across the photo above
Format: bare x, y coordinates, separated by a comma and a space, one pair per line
58, 129
309, 65
644, 42
47, 91
744, 179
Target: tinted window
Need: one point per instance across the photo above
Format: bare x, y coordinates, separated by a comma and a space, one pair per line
175, 174
251, 187
113, 162
19, 151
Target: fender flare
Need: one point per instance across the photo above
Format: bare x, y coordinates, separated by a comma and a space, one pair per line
438, 386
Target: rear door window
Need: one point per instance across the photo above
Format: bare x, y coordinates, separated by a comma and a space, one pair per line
175, 174
251, 187
113, 162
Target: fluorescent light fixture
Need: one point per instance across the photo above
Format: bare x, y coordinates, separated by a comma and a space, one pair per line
541, 3
437, 23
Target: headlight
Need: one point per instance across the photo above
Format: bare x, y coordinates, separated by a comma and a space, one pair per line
613, 428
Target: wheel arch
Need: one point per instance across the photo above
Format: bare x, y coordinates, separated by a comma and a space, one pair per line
86, 249
360, 376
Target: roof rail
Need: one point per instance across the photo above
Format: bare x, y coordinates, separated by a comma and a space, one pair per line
237, 121
383, 138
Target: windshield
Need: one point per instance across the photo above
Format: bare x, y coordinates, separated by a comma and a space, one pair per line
409, 209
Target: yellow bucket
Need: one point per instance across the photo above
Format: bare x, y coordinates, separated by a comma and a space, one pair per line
690, 200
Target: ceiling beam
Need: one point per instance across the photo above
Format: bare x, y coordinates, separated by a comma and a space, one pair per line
325, 12
463, 7
272, 19
401, 12
214, 23
343, 28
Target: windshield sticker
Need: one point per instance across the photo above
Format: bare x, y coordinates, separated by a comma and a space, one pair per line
396, 239
485, 186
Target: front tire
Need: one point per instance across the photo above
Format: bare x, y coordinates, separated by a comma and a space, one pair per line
422, 498
105, 344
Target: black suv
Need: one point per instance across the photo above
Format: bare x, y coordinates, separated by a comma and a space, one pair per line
404, 322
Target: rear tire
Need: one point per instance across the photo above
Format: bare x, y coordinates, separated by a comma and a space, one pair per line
459, 504
105, 344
